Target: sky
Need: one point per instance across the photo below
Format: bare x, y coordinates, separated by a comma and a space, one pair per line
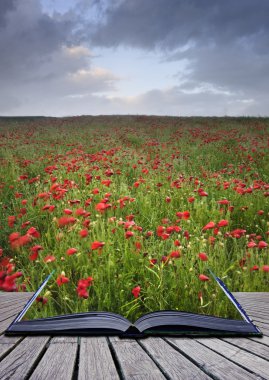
154, 57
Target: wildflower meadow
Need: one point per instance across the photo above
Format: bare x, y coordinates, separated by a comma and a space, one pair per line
131, 211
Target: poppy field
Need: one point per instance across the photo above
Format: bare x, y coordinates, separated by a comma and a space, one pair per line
130, 211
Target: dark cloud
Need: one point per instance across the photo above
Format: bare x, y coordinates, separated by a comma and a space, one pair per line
173, 23
5, 7
28, 39
40, 58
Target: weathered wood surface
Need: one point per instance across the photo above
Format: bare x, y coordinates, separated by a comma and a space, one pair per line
38, 358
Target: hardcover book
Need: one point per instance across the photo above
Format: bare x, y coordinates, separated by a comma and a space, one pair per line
158, 323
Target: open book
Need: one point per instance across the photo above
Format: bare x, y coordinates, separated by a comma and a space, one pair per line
164, 322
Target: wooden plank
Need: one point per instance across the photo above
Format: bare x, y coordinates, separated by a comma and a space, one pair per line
13, 310
263, 327
4, 324
21, 361
18, 298
256, 308
172, 363
134, 361
18, 302
260, 295
254, 304
58, 361
258, 314
14, 294
95, 360
8, 304
245, 359
7, 343
254, 300
262, 340
260, 320
213, 364
249, 345
9, 317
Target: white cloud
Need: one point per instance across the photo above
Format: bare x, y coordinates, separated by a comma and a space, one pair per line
78, 51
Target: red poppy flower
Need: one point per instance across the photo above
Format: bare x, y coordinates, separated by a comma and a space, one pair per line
33, 232
13, 237
254, 268
209, 226
223, 202
61, 279
160, 230
16, 240
71, 251
183, 215
80, 212
202, 193
83, 284
42, 300
129, 234
138, 245
33, 256
165, 236
49, 259
265, 268
251, 244
262, 244
164, 259
97, 245
66, 221
203, 256
186, 235
101, 207
223, 223
36, 248
153, 262
25, 224
203, 277
11, 220
237, 233
7, 282
82, 292
175, 254
67, 211
106, 182
136, 291
83, 233
149, 233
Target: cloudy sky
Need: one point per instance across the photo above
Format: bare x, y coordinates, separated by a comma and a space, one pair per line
162, 57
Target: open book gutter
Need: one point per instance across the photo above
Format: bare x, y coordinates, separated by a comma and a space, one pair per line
158, 323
